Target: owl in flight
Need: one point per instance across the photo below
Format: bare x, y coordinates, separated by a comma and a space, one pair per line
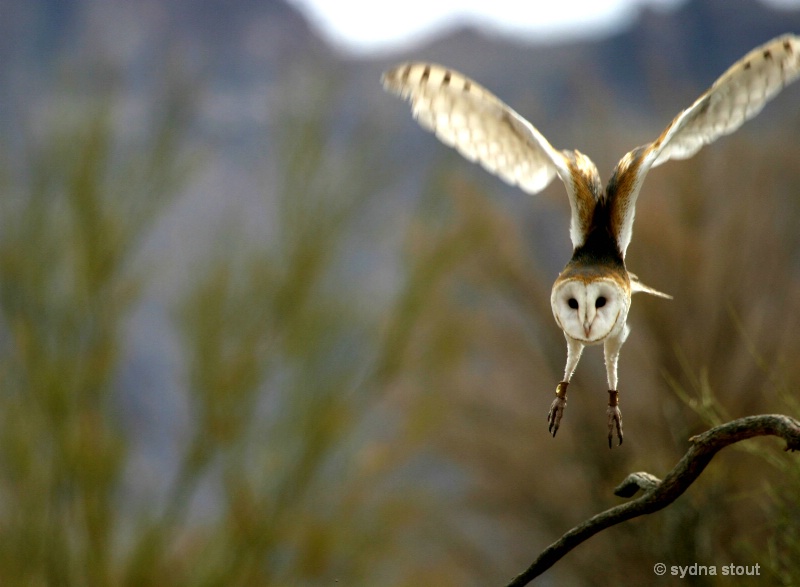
591, 297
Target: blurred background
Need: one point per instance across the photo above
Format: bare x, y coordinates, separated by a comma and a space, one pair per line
258, 328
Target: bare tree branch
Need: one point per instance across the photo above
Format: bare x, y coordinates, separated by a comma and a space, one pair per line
659, 494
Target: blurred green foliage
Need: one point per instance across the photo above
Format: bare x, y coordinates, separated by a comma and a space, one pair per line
399, 441
72, 216
776, 494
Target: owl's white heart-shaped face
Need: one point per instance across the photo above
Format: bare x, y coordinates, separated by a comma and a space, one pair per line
590, 311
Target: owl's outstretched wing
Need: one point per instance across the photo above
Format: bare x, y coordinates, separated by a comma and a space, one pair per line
737, 96
469, 118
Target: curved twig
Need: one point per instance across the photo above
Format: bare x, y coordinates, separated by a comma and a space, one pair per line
659, 494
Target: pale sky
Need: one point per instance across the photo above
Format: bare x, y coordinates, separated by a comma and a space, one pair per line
364, 26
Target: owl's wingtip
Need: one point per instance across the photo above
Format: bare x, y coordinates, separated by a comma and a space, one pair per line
391, 77
386, 79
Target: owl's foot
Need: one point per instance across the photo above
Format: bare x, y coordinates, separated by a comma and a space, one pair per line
557, 408
614, 416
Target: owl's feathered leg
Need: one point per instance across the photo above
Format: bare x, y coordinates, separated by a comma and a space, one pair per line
574, 351
611, 349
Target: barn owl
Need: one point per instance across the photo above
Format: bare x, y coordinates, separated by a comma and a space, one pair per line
591, 297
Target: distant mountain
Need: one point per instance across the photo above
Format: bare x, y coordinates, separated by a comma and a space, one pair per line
255, 41
696, 39
694, 43
229, 41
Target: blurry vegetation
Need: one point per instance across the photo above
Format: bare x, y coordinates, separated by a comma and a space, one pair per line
284, 402
75, 205
775, 490
285, 374
395, 441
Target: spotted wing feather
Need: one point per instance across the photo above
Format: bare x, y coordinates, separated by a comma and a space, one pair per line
737, 96
469, 118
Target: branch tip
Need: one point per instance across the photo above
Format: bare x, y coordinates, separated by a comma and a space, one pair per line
636, 481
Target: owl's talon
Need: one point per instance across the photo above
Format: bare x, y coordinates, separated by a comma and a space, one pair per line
557, 408
555, 414
614, 416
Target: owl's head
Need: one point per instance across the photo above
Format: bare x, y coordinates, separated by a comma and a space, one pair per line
590, 310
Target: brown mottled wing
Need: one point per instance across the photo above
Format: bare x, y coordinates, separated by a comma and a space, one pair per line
737, 96
469, 118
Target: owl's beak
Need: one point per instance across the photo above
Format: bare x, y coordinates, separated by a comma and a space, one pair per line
588, 320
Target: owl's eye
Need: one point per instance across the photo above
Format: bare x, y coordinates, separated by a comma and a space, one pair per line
573, 303
600, 302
